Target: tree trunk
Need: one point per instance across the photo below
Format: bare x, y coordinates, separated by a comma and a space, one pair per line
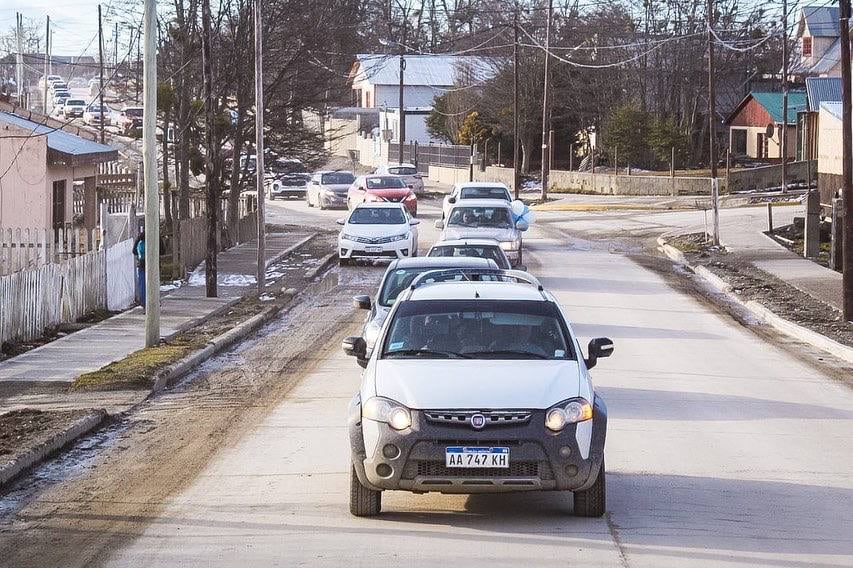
235, 185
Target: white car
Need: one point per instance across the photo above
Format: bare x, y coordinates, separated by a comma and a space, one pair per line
73, 108
378, 230
408, 172
474, 190
329, 189
485, 219
94, 114
477, 386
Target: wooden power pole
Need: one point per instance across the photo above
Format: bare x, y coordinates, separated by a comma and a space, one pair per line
259, 143
46, 64
784, 137
546, 101
712, 126
149, 160
212, 201
516, 171
101, 91
846, 162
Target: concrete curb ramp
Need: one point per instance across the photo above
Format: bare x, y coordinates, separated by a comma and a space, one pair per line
82, 426
762, 313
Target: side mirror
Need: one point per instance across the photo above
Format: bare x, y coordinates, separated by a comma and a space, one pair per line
599, 348
522, 225
414, 222
341, 222
439, 224
361, 302
355, 346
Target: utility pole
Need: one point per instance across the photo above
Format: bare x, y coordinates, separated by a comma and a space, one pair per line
784, 140
402, 113
259, 143
101, 91
149, 159
138, 39
115, 49
46, 64
846, 162
212, 201
712, 126
546, 102
516, 172
19, 68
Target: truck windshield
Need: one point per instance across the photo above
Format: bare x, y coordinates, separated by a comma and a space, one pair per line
478, 329
495, 217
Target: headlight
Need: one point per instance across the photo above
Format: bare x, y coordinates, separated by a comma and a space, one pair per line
402, 237
509, 245
410, 197
386, 410
347, 237
568, 412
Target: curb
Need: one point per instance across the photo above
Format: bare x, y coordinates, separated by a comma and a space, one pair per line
312, 273
762, 313
82, 426
290, 249
171, 374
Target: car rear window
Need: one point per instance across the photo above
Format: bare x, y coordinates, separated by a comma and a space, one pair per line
377, 216
75, 102
496, 192
493, 217
479, 251
478, 329
385, 182
338, 178
402, 170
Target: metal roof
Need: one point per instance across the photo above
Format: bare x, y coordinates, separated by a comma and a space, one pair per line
822, 89
772, 103
821, 21
64, 143
833, 108
422, 70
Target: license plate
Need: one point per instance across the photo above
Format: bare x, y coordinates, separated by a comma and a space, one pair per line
466, 456
373, 249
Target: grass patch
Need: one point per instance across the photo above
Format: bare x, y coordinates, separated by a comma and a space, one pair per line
137, 370
694, 243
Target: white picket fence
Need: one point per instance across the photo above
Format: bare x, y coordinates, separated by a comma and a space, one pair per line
62, 292
25, 248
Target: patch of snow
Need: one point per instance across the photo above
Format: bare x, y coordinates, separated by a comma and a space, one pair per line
197, 279
174, 285
266, 297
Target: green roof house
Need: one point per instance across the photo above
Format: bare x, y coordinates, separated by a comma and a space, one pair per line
756, 125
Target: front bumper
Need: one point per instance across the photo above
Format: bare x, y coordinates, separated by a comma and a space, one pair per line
539, 459
333, 199
289, 191
353, 249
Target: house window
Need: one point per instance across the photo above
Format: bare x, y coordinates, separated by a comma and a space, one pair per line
367, 100
738, 142
59, 204
807, 46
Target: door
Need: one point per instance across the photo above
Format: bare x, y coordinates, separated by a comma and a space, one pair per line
59, 204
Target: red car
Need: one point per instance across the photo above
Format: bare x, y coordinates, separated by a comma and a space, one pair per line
382, 188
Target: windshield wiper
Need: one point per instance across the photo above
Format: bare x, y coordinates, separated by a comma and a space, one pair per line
520, 354
427, 353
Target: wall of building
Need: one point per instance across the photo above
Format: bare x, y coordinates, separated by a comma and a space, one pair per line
413, 96
829, 144
774, 144
24, 197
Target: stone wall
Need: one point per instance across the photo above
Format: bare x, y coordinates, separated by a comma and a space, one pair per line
765, 177
611, 184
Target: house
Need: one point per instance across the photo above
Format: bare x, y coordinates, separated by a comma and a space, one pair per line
376, 84
829, 151
819, 43
755, 125
818, 91
39, 163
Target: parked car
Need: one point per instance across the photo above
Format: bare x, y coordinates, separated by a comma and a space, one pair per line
398, 277
478, 248
57, 95
287, 186
129, 119
329, 189
375, 188
408, 172
377, 230
94, 114
485, 219
74, 108
477, 387
59, 105
474, 190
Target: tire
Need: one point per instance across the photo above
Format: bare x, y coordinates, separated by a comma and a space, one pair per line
363, 502
308, 200
592, 502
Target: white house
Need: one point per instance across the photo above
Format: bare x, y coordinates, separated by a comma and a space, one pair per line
818, 36
829, 150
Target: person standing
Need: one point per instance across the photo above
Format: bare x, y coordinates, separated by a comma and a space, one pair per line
139, 257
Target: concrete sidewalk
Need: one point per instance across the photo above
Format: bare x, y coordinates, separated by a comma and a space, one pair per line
63, 360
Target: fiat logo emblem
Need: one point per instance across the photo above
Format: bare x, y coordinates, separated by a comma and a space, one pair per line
478, 421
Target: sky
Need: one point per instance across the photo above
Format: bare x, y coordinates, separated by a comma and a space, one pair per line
74, 22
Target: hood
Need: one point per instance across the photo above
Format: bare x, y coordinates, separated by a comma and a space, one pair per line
391, 194
336, 187
453, 233
450, 383
376, 230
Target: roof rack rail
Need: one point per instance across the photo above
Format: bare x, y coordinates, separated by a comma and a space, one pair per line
474, 275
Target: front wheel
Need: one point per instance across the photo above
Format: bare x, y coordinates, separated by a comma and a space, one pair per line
592, 502
363, 502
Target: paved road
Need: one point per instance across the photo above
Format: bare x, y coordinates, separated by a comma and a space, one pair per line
723, 450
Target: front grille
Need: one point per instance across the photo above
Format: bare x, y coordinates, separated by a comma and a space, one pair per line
374, 240
515, 469
493, 417
383, 254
